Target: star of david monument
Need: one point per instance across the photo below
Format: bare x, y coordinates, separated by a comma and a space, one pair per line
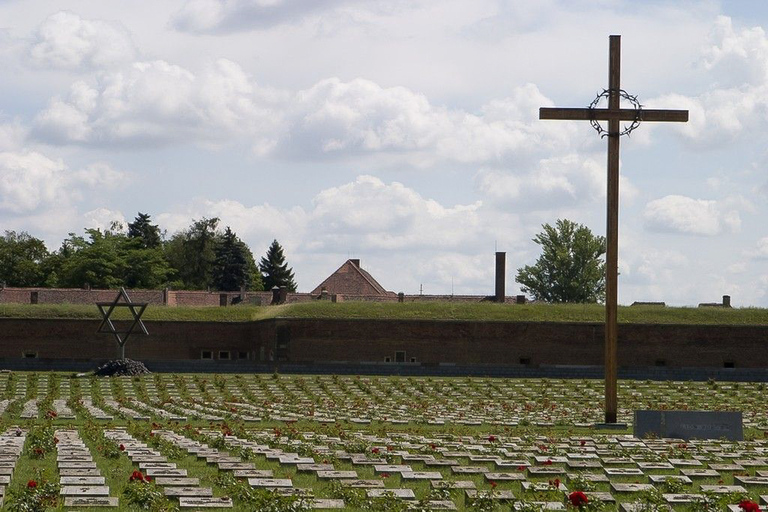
614, 114
107, 326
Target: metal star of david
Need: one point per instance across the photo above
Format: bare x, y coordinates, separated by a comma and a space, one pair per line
107, 327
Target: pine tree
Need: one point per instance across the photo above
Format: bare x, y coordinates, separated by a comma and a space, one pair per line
234, 265
275, 269
144, 231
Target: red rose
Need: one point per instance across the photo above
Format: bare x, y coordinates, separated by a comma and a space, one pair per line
547, 462
521, 468
385, 475
31, 484
492, 438
578, 499
583, 442
122, 447
375, 450
749, 506
556, 483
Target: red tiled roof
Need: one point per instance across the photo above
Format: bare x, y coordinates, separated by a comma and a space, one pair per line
350, 279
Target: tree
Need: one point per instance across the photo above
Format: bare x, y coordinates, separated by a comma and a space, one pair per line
98, 261
234, 265
191, 254
570, 268
144, 231
21, 259
275, 269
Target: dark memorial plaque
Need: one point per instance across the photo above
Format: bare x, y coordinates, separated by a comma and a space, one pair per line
690, 424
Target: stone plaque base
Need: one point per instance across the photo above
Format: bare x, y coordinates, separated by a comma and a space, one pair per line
690, 424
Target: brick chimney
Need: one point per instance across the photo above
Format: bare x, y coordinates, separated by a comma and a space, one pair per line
356, 262
501, 276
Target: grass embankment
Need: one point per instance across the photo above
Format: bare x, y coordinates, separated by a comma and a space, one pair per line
411, 311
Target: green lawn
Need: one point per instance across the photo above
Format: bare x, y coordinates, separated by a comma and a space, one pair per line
414, 310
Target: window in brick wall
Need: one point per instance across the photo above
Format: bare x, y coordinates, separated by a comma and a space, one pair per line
206, 354
387, 359
242, 355
30, 355
223, 354
729, 364
400, 356
413, 359
525, 361
661, 362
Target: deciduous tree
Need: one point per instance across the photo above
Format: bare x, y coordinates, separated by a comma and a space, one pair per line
570, 268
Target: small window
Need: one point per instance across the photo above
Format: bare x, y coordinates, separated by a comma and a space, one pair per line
413, 359
242, 355
387, 359
223, 354
729, 364
30, 355
206, 354
400, 356
661, 362
525, 361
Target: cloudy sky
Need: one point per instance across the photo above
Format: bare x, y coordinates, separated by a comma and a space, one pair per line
401, 132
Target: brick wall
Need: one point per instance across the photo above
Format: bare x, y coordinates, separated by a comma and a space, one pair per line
429, 342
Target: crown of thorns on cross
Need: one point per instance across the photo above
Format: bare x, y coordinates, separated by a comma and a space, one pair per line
624, 95
107, 308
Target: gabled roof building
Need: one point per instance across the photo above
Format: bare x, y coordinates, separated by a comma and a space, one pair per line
351, 280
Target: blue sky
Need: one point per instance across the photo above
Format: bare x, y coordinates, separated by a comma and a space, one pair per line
403, 133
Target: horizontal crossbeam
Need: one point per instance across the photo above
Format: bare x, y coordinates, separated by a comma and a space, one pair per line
605, 114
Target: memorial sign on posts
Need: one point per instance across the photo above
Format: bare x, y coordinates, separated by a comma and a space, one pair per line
614, 114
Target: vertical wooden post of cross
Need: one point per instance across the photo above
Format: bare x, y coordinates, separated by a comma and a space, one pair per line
612, 236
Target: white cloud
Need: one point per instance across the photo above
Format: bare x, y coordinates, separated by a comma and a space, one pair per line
65, 40
222, 16
559, 182
31, 181
761, 249
156, 103
737, 57
681, 214
104, 218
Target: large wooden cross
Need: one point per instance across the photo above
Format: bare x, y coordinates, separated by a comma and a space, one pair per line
614, 114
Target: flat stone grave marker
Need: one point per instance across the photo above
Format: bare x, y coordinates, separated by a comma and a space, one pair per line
622, 487
82, 480
79, 472
79, 490
154, 472
543, 487
503, 477
690, 424
325, 475
177, 481
90, 501
77, 465
679, 498
188, 491
403, 494
204, 502
468, 470
270, 482
363, 484
723, 489
252, 473
503, 495
327, 503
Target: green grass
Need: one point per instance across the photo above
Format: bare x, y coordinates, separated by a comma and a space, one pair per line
412, 311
